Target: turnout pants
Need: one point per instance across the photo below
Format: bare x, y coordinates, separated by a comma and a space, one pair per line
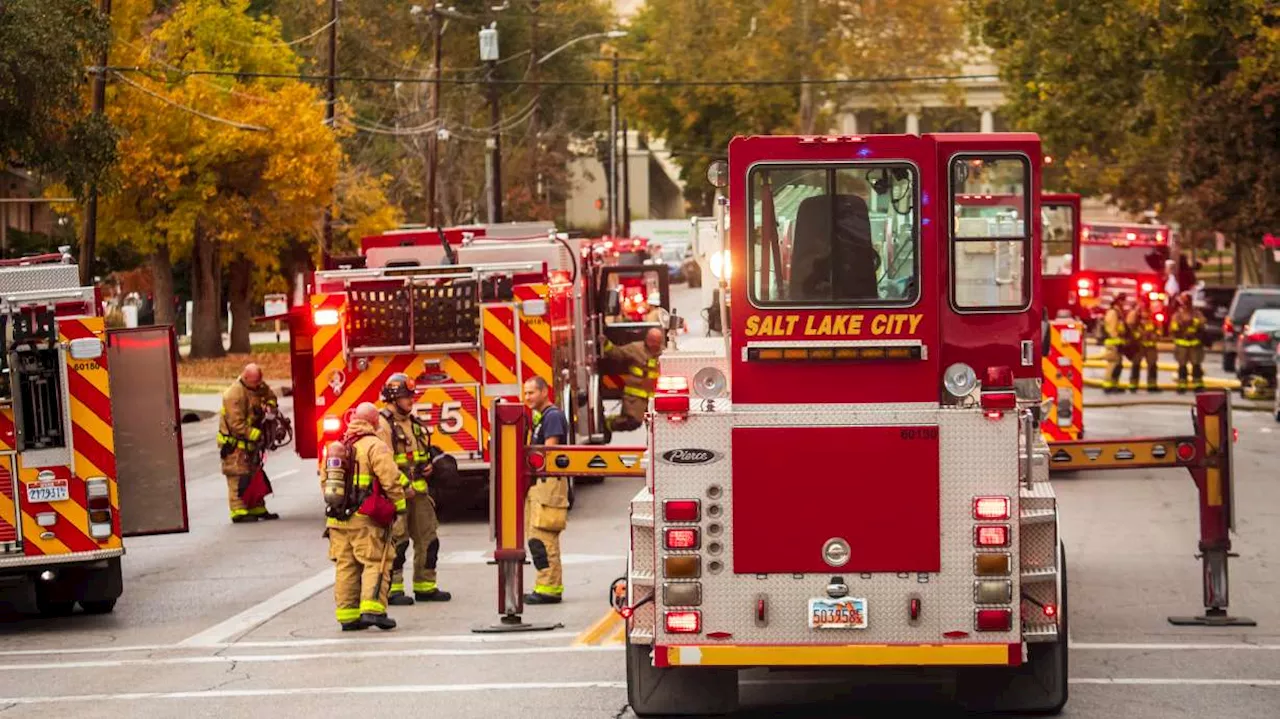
238, 508
423, 530
546, 511
1150, 355
1115, 364
1192, 355
362, 562
632, 417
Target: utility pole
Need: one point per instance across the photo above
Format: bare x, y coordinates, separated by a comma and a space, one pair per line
330, 108
489, 55
537, 99
626, 182
88, 248
613, 150
433, 138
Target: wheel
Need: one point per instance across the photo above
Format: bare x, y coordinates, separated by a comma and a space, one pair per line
667, 691
1228, 361
50, 608
101, 606
1040, 685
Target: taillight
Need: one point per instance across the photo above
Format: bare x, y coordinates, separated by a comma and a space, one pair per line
1258, 337
331, 425
1147, 287
994, 620
672, 395
681, 510
998, 391
684, 622
681, 538
991, 508
991, 535
326, 317
1082, 283
1227, 327
98, 494
1186, 451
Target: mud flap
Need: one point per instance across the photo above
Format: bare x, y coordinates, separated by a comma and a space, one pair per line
679, 691
148, 430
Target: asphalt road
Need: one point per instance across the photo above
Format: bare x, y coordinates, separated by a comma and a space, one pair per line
237, 620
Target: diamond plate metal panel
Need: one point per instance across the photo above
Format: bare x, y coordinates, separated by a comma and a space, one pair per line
978, 457
39, 278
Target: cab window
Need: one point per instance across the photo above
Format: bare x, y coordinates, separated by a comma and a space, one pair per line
844, 235
1058, 230
990, 233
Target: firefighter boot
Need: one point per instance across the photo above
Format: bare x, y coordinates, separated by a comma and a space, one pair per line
355, 625
397, 597
424, 528
380, 621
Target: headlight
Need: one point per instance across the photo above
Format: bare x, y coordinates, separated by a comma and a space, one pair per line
720, 265
960, 380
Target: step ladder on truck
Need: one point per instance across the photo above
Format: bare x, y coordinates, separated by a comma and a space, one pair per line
90, 440
861, 480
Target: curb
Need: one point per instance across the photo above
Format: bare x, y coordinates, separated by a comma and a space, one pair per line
1170, 403
195, 415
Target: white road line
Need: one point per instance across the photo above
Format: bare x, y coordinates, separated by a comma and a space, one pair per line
260, 613
1085, 646
316, 656
486, 555
285, 473
533, 637
524, 686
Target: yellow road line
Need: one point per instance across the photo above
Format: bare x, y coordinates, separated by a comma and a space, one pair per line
620, 636
599, 629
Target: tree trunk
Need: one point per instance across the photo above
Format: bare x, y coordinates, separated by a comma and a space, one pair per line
162, 284
241, 291
206, 294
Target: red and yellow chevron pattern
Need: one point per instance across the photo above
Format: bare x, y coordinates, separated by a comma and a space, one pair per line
1063, 379
92, 452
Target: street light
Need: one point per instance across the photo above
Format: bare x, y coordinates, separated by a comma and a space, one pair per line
612, 35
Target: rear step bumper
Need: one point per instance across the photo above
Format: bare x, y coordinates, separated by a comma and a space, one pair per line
863, 655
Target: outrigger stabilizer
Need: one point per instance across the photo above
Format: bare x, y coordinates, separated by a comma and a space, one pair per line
1207, 454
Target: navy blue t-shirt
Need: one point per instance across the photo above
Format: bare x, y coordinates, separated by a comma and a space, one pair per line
553, 424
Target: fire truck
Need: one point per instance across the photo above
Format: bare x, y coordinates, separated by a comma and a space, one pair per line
470, 314
1126, 259
90, 445
860, 481
1060, 254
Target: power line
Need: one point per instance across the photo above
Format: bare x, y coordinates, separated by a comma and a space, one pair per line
284, 43
191, 110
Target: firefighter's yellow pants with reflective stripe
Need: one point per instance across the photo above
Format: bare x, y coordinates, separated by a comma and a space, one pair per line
362, 565
423, 529
238, 508
544, 548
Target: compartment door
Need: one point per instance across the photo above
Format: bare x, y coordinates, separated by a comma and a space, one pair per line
143, 366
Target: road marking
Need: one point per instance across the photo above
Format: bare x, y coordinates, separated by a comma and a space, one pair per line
258, 614
528, 686
317, 656
1085, 646
485, 556
599, 629
286, 473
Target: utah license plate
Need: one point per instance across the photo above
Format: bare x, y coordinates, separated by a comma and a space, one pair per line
55, 491
842, 613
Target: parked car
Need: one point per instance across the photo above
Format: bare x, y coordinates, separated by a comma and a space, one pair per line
1256, 351
691, 270
1275, 407
1246, 302
1214, 303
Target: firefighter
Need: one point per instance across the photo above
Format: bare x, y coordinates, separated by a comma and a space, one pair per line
640, 379
1115, 337
1186, 327
1143, 333
546, 507
361, 547
244, 406
410, 441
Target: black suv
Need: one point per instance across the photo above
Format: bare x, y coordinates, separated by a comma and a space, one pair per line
1247, 300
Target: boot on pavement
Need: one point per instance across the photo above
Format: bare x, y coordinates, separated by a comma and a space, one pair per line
540, 598
435, 595
380, 621
400, 599
355, 626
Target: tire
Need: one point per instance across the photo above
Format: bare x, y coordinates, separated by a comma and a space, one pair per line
677, 691
1040, 686
101, 606
50, 608
1228, 361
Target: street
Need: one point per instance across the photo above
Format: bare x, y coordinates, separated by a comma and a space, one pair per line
237, 620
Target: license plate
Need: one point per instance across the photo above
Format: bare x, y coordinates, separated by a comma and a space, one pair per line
55, 491
843, 613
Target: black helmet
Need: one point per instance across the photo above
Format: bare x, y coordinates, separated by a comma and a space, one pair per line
398, 386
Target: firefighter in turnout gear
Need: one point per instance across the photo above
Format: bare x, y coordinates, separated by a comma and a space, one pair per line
361, 546
546, 507
410, 441
244, 406
1186, 327
640, 380
1115, 337
1143, 333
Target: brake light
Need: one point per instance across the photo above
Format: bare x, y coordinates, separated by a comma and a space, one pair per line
681, 538
537, 460
98, 493
1186, 451
999, 378
331, 425
991, 535
994, 620
680, 510
1227, 327
991, 508
684, 622
1257, 337
673, 395
326, 317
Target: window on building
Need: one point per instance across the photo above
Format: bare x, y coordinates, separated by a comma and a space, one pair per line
990, 233
834, 235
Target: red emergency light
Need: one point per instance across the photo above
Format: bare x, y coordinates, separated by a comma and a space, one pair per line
684, 622
681, 510
672, 395
994, 620
990, 507
991, 535
681, 538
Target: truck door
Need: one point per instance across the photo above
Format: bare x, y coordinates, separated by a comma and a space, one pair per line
1059, 254
148, 431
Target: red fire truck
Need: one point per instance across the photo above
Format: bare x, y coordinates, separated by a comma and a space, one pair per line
90, 445
861, 481
1060, 254
1117, 258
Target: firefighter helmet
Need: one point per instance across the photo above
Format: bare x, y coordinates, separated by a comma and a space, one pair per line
398, 386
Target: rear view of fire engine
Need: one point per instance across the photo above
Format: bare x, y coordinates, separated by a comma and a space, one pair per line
90, 445
861, 481
1120, 259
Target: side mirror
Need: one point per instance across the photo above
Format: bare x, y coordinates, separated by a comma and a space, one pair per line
612, 302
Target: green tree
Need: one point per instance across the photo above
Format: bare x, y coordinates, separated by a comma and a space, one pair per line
45, 124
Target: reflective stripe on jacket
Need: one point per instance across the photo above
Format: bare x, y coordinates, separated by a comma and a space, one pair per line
641, 377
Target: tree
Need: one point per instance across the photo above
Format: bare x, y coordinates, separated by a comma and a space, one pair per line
773, 40
45, 125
